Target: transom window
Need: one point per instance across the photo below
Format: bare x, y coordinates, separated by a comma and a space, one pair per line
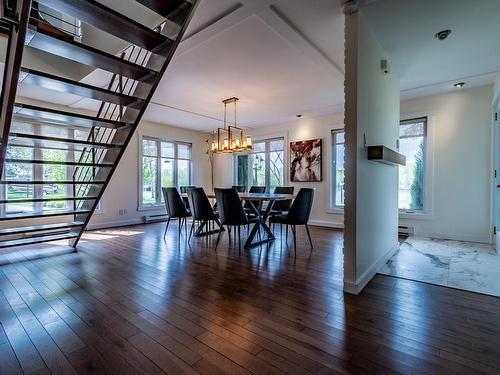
163, 164
263, 166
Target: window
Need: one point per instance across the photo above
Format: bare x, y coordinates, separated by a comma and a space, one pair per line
163, 164
412, 144
20, 168
338, 150
263, 166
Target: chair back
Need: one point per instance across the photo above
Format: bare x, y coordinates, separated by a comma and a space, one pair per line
201, 209
299, 212
229, 205
173, 203
255, 189
239, 188
184, 189
283, 206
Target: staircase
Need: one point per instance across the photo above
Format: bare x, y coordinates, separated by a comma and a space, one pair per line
55, 164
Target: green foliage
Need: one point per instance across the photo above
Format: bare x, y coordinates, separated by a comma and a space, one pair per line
417, 185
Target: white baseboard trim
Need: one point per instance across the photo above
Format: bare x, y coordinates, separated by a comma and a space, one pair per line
113, 224
357, 286
454, 237
326, 224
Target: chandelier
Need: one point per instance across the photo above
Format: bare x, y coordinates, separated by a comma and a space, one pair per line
230, 138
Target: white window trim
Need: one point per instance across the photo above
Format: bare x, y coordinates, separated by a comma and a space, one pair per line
428, 213
152, 207
333, 208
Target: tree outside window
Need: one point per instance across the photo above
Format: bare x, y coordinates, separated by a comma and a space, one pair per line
164, 164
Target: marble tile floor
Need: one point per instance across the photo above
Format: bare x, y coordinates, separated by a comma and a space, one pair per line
457, 264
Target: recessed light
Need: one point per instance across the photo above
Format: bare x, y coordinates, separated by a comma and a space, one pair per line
443, 34
299, 116
459, 85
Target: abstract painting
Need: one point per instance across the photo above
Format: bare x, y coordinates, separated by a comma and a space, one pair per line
305, 161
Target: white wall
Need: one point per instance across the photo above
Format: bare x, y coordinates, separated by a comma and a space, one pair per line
372, 110
123, 189
300, 129
459, 158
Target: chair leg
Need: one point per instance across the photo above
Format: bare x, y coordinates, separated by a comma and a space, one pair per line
229, 233
239, 239
192, 229
180, 226
286, 234
168, 222
218, 239
294, 229
309, 235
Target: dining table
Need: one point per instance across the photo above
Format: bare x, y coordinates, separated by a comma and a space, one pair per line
255, 201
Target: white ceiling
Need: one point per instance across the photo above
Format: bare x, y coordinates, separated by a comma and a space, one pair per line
426, 65
283, 58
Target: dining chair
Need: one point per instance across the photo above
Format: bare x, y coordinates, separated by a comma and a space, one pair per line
281, 207
201, 211
231, 213
184, 190
247, 205
239, 188
298, 214
175, 207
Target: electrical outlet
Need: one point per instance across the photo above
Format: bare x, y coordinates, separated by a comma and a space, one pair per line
120, 211
125, 211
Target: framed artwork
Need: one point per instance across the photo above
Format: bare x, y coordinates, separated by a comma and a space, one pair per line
305, 161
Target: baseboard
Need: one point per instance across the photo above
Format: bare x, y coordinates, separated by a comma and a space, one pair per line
453, 237
326, 224
357, 286
113, 224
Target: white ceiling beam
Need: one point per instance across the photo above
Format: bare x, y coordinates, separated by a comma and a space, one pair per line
292, 34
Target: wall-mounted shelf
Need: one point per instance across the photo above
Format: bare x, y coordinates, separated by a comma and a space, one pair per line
385, 155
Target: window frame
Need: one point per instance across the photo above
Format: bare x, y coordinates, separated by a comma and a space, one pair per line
158, 141
334, 207
428, 207
427, 214
408, 121
267, 167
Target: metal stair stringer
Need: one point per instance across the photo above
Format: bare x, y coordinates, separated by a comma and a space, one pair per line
123, 136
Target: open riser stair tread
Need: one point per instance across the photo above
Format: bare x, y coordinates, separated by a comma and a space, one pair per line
39, 228
38, 239
164, 8
112, 22
68, 163
40, 200
58, 117
51, 213
87, 55
61, 84
51, 182
63, 140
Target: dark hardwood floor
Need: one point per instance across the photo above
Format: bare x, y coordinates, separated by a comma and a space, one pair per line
129, 303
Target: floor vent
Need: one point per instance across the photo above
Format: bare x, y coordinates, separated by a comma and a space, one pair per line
405, 230
154, 218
